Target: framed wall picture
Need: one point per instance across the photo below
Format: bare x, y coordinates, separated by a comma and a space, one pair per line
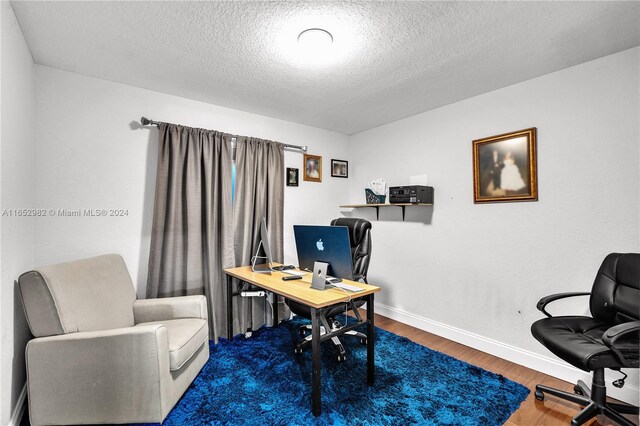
292, 176
504, 167
312, 168
339, 168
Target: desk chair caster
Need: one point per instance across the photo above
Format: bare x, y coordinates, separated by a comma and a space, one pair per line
307, 341
341, 356
594, 401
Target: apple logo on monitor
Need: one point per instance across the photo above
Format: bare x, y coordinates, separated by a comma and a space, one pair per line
320, 245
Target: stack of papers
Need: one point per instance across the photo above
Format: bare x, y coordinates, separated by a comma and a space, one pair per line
379, 186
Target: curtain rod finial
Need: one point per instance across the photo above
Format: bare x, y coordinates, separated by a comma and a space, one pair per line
145, 121
304, 148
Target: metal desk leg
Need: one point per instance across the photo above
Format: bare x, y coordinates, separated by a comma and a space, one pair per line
275, 309
316, 402
370, 340
229, 307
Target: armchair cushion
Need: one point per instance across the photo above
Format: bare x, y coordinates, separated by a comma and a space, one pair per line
185, 336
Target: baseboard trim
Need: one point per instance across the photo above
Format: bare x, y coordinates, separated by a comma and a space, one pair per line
18, 411
556, 368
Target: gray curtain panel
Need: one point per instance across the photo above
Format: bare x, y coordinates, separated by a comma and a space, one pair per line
192, 233
259, 193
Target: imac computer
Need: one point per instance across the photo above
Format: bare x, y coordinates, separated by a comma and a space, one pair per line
328, 244
267, 267
264, 243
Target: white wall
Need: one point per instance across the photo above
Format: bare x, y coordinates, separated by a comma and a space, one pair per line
480, 269
16, 192
92, 154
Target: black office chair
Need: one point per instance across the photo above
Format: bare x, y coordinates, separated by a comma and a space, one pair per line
360, 241
607, 339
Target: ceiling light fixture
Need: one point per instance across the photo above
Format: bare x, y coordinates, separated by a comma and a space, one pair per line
314, 46
315, 38
315, 42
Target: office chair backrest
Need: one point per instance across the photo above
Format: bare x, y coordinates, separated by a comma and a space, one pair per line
615, 296
360, 241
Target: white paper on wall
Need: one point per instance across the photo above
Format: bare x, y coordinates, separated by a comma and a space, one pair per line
418, 180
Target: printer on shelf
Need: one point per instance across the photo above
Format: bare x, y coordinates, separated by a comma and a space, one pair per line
415, 194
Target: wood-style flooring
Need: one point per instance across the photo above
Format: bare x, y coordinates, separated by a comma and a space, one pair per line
550, 412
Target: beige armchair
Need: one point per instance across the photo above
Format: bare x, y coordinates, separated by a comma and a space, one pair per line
99, 355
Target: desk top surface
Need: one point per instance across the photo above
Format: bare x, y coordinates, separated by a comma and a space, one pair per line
300, 290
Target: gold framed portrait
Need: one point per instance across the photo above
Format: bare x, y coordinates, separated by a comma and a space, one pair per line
505, 167
312, 168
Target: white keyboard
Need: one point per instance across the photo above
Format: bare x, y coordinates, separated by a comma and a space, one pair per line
348, 287
294, 272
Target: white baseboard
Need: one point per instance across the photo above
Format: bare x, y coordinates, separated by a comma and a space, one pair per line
629, 393
18, 411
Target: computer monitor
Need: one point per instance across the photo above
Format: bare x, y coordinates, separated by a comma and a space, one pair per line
264, 236
328, 244
264, 242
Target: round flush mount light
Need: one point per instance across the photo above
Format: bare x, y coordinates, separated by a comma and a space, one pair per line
315, 41
315, 47
315, 38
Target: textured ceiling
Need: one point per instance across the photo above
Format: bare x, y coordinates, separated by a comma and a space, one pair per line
392, 59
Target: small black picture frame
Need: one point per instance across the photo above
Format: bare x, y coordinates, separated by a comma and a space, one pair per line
339, 168
292, 176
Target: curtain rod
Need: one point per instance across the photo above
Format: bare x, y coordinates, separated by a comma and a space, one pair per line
146, 121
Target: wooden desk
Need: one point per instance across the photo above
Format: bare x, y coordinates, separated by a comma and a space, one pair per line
319, 302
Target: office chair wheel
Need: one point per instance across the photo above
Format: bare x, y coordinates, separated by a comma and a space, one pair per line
297, 351
577, 389
342, 357
363, 340
539, 395
301, 331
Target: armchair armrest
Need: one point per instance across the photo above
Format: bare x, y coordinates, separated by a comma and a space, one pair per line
101, 373
148, 310
623, 338
542, 303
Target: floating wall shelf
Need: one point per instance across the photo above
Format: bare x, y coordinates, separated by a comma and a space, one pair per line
377, 206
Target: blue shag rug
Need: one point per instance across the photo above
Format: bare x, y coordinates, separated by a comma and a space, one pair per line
260, 381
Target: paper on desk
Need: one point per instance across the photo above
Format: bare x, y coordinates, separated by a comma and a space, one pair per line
378, 186
418, 180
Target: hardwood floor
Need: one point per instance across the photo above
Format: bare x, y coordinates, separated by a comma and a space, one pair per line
552, 411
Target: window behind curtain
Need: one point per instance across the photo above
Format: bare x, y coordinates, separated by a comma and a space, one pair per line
233, 169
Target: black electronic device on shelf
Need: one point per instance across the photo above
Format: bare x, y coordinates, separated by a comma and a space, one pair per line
415, 194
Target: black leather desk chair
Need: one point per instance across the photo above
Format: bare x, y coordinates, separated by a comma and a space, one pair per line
360, 241
607, 339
